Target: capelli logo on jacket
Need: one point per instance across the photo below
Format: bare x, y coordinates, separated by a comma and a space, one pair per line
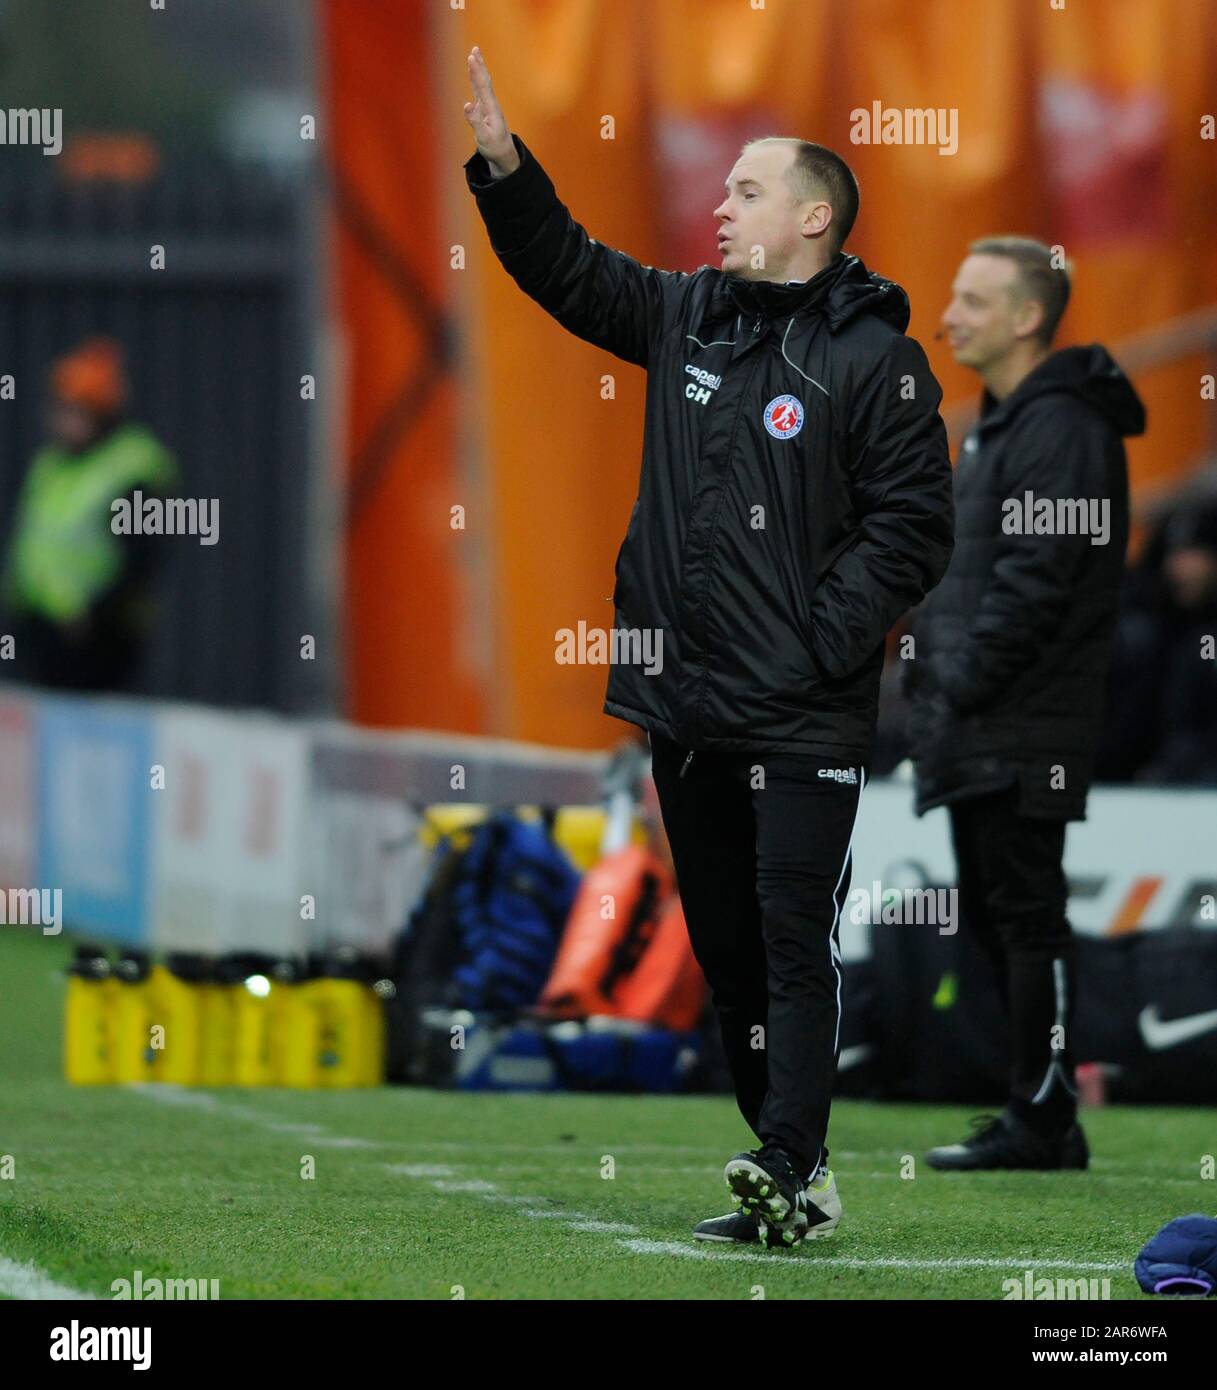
847, 775
707, 381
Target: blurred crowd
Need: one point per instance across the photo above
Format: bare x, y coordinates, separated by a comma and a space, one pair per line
1160, 720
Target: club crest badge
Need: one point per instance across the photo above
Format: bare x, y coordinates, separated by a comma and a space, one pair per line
784, 417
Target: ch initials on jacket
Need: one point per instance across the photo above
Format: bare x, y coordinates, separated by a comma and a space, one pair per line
700, 394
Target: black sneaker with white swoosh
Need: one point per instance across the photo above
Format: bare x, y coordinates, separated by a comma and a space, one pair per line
1004, 1141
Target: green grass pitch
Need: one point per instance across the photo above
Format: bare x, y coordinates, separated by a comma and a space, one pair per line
424, 1194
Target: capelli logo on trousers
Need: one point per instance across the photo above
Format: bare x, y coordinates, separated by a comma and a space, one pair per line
846, 775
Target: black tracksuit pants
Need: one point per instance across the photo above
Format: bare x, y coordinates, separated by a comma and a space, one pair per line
1012, 898
761, 844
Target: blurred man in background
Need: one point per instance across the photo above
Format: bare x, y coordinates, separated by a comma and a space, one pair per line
1011, 661
1186, 748
1161, 723
76, 595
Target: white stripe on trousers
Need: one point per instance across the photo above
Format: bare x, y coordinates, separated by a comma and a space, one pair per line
834, 945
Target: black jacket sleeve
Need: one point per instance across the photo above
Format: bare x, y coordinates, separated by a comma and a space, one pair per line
600, 295
900, 471
1058, 455
143, 557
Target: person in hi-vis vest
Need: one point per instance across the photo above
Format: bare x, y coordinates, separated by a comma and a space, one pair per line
76, 586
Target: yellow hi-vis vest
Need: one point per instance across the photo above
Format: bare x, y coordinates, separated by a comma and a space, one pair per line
64, 554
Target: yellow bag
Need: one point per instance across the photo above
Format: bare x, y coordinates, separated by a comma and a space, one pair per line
87, 1053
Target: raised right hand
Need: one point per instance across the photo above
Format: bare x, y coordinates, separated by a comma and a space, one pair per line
486, 120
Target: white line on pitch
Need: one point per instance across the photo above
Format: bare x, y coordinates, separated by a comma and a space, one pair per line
27, 1281
690, 1252
169, 1094
600, 1147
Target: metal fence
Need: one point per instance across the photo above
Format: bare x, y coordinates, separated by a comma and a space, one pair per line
216, 342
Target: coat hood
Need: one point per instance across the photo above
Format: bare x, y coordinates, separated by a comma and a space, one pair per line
839, 292
1090, 373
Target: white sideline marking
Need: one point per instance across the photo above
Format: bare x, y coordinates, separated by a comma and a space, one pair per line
27, 1281
576, 1220
488, 1191
690, 1252
580, 1221
573, 1147
169, 1094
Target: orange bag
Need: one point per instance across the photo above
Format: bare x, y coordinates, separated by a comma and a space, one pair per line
625, 950
668, 987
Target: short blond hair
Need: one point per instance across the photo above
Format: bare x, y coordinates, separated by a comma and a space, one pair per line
818, 172
1039, 277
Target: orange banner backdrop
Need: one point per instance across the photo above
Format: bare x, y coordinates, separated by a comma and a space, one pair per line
920, 207
409, 659
1133, 189
562, 420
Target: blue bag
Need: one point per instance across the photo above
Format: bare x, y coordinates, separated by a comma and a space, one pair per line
1181, 1258
514, 890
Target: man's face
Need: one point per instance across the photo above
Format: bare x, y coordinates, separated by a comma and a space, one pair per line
759, 218
1192, 575
986, 317
70, 426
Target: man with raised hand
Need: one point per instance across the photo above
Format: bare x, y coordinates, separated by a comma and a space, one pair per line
794, 501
